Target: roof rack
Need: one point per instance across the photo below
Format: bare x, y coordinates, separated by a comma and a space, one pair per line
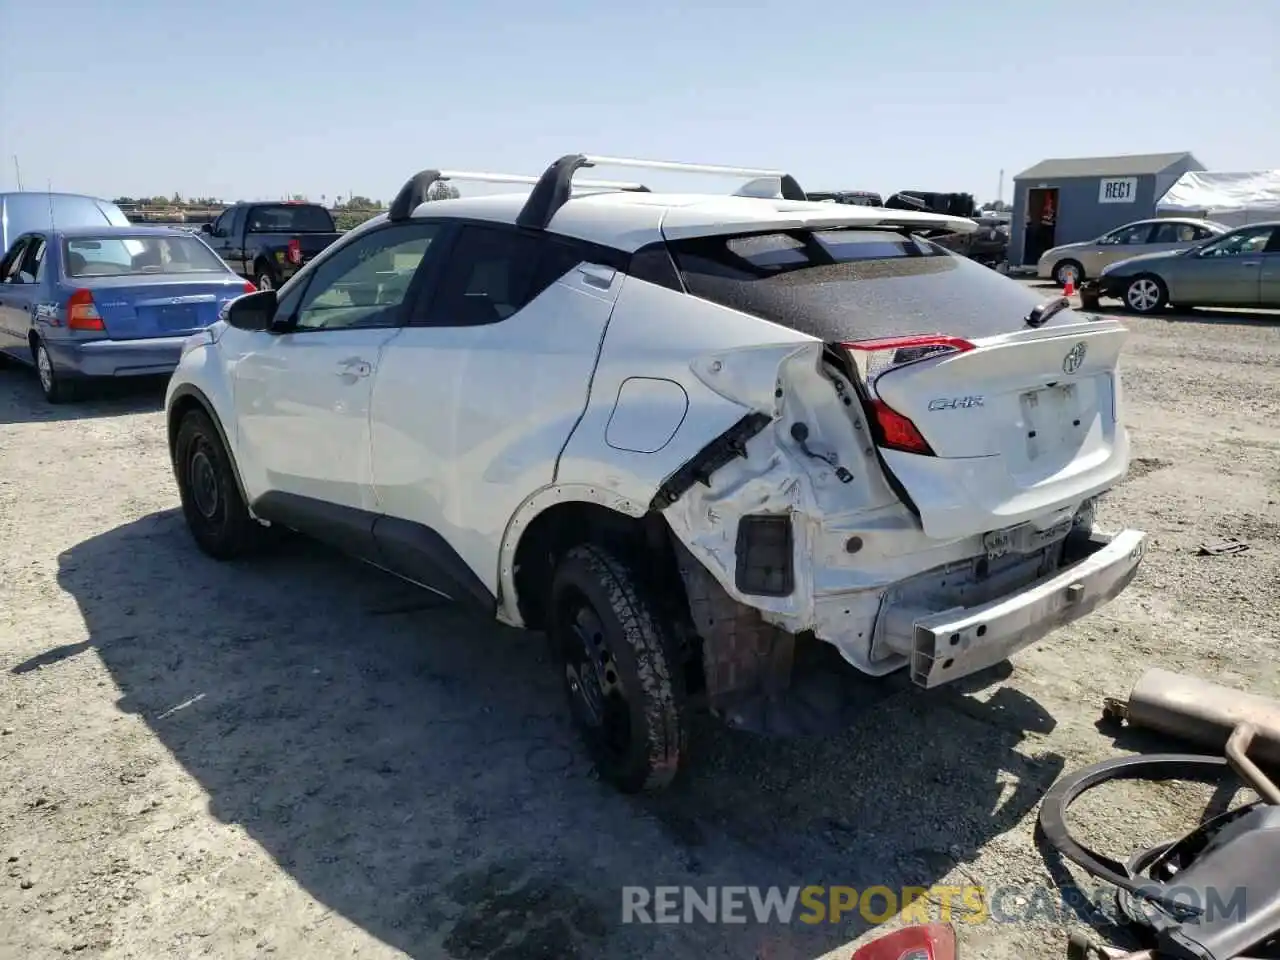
555, 186
415, 191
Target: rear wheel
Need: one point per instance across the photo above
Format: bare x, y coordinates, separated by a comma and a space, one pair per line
1146, 294
56, 388
265, 278
215, 512
1068, 270
622, 676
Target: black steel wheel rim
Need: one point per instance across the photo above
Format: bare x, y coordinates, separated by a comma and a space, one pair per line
596, 692
202, 480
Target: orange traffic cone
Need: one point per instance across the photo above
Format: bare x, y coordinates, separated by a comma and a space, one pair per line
1068, 288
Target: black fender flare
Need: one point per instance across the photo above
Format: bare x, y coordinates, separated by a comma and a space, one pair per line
183, 396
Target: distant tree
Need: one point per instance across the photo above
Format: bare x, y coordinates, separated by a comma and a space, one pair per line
298, 198
443, 191
177, 199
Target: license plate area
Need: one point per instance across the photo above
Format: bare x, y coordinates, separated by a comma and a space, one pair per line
1050, 418
1023, 538
179, 316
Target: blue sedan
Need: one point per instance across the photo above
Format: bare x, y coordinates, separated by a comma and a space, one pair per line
101, 302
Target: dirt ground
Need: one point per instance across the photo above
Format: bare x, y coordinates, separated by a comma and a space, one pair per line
302, 758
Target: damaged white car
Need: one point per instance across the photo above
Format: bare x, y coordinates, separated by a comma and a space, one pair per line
675, 432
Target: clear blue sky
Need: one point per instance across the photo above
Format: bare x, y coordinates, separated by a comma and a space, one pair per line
331, 96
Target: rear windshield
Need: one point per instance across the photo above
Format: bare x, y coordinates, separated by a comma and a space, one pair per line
855, 284
288, 218
131, 256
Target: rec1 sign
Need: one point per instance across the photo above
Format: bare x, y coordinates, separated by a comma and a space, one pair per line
1118, 190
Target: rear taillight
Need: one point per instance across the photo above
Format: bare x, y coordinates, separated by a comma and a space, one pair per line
249, 287
874, 358
82, 313
921, 941
294, 251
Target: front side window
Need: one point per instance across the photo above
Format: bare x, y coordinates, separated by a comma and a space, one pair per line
1242, 243
1127, 236
366, 283
134, 256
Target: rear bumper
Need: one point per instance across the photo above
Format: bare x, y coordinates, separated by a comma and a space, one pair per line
943, 647
153, 356
1109, 286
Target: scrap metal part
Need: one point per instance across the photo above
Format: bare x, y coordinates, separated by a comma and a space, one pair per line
1203, 713
1214, 894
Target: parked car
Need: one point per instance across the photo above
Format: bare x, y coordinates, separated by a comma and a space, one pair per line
99, 302
1077, 262
30, 210
673, 432
861, 198
1241, 268
989, 244
269, 242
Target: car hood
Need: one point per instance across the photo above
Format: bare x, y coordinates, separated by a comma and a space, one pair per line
1146, 261
1065, 248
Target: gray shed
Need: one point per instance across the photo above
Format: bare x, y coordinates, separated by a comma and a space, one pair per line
1063, 201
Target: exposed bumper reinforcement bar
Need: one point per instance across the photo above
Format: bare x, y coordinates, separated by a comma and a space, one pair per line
946, 646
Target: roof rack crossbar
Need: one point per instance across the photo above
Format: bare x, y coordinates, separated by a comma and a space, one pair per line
417, 189
555, 185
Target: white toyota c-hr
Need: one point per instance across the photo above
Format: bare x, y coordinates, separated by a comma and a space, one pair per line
674, 431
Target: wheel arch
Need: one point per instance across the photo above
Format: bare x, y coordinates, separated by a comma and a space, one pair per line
559, 517
263, 264
186, 398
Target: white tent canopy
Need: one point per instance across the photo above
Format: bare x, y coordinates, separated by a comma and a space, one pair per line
1234, 199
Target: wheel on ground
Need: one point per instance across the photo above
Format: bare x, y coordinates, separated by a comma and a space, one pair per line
265, 280
56, 387
1068, 270
622, 676
1146, 294
216, 513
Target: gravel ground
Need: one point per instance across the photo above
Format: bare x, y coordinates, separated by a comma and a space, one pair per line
300, 757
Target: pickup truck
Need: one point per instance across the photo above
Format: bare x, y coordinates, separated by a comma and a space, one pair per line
269, 242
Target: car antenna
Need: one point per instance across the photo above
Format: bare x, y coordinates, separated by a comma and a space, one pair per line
49, 195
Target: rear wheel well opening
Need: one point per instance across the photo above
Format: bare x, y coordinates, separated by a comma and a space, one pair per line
644, 542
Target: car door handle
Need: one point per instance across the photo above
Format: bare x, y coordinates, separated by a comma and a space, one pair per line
1249, 263
354, 367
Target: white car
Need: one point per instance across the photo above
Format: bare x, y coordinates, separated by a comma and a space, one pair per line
674, 431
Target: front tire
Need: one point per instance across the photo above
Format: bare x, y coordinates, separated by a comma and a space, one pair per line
622, 676
1146, 294
215, 511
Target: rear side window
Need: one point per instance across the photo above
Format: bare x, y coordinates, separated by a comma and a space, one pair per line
854, 284
493, 272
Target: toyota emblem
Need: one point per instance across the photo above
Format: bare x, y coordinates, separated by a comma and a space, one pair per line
1074, 358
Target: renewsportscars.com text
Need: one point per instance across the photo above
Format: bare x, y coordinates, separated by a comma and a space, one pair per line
970, 904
